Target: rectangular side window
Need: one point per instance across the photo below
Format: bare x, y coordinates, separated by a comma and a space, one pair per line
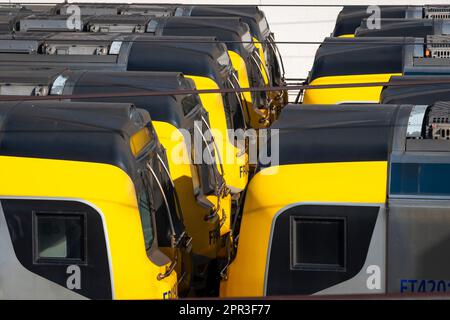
318, 243
59, 237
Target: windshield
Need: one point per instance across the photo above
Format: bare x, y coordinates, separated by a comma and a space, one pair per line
247, 42
146, 212
257, 81
212, 184
224, 59
276, 60
264, 27
189, 103
157, 201
237, 103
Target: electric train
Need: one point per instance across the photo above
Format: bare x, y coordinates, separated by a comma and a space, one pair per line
201, 195
249, 70
212, 70
350, 17
357, 203
254, 17
372, 60
77, 203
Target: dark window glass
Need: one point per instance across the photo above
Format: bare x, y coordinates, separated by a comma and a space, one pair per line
237, 105
318, 243
189, 103
60, 237
228, 110
146, 219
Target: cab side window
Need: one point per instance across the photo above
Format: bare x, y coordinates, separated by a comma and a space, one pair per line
318, 243
146, 218
59, 238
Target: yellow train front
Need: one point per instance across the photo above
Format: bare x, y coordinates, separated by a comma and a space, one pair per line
357, 70
357, 61
357, 203
77, 213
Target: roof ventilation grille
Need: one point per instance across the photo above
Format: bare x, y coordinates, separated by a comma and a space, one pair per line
437, 12
438, 47
438, 121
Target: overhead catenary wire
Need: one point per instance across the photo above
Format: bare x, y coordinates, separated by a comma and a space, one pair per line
325, 5
143, 37
409, 41
148, 93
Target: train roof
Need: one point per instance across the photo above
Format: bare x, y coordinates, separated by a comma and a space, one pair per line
350, 17
114, 8
167, 108
417, 94
250, 15
229, 30
402, 28
8, 22
350, 56
174, 109
248, 11
13, 9
400, 133
139, 21
226, 29
75, 131
203, 56
49, 22
29, 76
341, 133
382, 55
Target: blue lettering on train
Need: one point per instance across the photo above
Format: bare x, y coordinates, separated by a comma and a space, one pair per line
424, 286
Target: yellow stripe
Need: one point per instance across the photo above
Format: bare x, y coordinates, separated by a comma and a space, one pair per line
345, 95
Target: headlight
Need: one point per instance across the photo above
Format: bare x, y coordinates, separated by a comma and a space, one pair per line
183, 11
58, 85
247, 41
152, 26
266, 56
264, 27
224, 59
